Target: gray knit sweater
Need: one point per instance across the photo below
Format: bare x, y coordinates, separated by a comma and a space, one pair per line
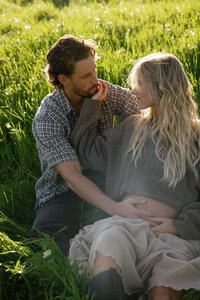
107, 153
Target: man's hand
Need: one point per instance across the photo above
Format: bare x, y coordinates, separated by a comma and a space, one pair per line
165, 225
102, 92
127, 208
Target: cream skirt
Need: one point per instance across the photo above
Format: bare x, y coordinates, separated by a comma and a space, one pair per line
145, 260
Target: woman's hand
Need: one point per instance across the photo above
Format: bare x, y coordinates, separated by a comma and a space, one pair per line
102, 91
165, 225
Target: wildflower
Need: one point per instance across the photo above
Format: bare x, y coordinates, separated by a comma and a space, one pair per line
47, 253
8, 125
98, 57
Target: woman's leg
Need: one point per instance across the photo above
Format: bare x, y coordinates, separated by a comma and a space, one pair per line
164, 293
116, 248
103, 263
106, 283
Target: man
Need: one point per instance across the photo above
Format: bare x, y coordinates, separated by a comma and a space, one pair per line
71, 70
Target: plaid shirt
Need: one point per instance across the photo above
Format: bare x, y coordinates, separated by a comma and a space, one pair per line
52, 125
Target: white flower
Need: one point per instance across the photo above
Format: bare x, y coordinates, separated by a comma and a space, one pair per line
27, 26
47, 253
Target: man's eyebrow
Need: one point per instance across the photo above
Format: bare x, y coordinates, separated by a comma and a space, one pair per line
85, 74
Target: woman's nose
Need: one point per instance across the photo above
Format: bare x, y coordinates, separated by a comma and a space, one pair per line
134, 91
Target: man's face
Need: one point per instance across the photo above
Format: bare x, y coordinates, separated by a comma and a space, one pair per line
83, 82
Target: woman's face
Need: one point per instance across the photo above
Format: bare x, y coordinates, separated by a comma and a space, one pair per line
142, 92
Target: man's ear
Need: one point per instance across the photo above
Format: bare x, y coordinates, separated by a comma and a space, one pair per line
63, 79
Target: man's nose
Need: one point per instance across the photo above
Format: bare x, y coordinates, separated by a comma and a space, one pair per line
94, 79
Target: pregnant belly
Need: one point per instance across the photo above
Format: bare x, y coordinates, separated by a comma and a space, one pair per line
161, 209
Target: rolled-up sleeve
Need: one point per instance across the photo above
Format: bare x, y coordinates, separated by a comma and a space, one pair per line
52, 142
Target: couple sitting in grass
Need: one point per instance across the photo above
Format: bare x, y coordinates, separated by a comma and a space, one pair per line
151, 161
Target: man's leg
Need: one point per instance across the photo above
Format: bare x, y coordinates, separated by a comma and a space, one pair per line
67, 210
58, 213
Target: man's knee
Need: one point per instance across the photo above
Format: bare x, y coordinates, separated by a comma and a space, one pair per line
60, 237
60, 219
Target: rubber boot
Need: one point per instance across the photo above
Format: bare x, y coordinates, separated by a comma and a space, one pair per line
107, 285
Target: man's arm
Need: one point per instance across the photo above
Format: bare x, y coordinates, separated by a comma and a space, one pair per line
86, 189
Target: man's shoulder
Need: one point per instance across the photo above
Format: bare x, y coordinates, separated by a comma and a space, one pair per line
51, 99
53, 103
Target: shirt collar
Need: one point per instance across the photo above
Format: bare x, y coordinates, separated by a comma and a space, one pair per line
65, 101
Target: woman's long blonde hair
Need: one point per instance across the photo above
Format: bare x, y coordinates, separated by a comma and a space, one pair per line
172, 121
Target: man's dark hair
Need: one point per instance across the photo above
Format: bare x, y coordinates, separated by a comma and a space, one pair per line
63, 54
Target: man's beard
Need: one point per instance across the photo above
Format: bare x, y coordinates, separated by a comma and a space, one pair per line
87, 94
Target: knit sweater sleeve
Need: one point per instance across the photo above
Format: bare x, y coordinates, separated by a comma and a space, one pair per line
187, 222
91, 149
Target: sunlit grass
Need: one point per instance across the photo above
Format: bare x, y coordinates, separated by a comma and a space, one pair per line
124, 31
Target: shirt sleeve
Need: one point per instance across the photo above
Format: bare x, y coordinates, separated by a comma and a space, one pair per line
53, 142
188, 221
91, 149
123, 101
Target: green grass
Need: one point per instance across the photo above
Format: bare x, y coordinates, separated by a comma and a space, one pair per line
124, 31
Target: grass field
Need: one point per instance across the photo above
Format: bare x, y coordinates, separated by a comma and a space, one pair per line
124, 32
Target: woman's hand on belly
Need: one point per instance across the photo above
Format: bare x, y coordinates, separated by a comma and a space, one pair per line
164, 225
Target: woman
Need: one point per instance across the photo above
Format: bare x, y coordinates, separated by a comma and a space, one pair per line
154, 155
